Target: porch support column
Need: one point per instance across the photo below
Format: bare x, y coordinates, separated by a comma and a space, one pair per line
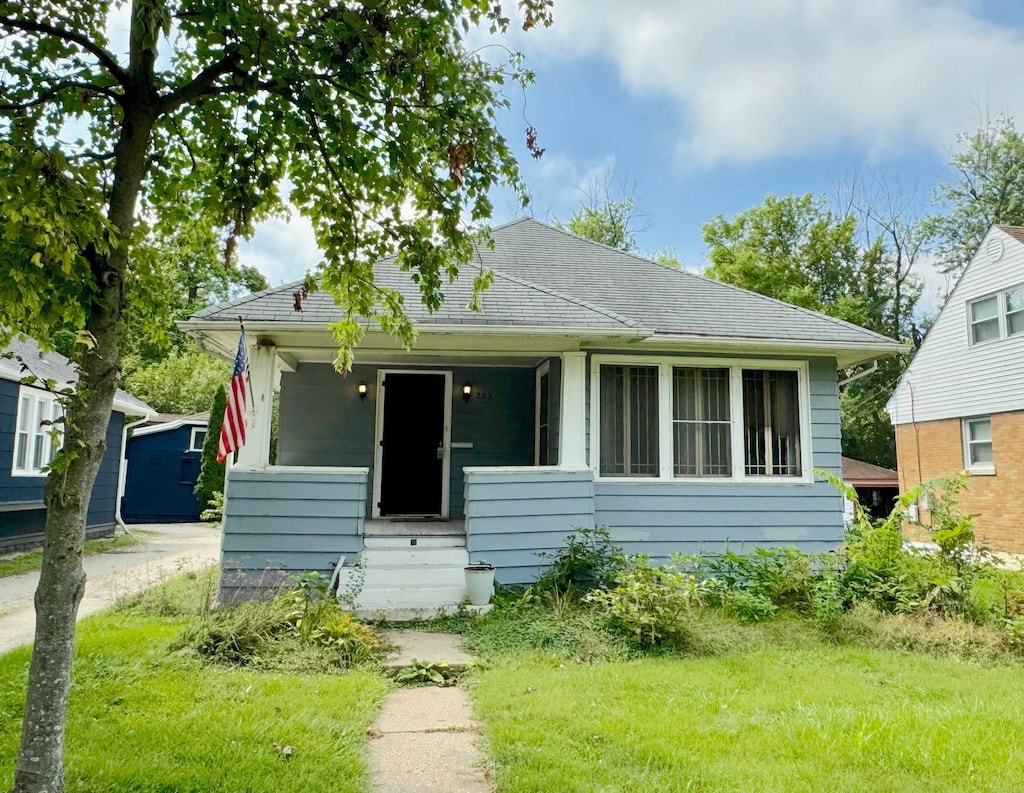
572, 430
262, 374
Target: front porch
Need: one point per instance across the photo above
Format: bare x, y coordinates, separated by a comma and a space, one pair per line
407, 472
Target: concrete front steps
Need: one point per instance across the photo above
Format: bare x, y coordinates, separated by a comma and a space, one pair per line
407, 577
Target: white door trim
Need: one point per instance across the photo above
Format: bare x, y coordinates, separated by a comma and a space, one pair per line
539, 372
378, 435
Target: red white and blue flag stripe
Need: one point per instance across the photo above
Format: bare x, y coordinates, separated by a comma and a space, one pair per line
232, 431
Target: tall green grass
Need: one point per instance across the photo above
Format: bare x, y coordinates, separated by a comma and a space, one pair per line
143, 719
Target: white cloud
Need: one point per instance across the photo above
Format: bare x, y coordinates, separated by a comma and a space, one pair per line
760, 79
283, 250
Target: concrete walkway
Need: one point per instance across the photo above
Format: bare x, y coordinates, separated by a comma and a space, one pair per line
168, 550
425, 740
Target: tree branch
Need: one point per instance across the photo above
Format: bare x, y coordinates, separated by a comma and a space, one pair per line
46, 96
203, 83
107, 61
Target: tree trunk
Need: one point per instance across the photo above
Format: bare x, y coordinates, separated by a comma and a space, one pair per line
62, 579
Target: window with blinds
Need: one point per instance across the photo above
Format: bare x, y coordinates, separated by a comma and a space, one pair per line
701, 439
771, 420
629, 421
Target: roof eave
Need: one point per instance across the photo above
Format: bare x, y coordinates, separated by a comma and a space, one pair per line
274, 326
846, 353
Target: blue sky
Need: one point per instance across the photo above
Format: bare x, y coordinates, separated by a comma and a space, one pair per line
709, 106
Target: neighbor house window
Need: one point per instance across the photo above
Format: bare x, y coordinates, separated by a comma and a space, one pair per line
771, 421
978, 455
701, 425
1014, 311
985, 319
629, 421
196, 439
36, 437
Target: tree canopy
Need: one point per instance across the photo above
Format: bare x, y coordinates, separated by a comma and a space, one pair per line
372, 119
987, 187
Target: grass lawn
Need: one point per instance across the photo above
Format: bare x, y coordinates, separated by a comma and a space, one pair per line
816, 717
148, 721
30, 562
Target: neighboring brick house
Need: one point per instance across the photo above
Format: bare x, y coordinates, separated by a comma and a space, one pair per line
960, 405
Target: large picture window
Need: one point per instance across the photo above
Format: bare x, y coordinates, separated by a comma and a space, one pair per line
700, 422
629, 421
687, 419
36, 438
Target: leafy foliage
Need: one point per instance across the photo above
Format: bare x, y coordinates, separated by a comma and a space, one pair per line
211, 473
650, 604
987, 187
589, 560
181, 383
436, 672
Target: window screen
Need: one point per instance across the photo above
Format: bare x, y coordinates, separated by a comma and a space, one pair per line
629, 421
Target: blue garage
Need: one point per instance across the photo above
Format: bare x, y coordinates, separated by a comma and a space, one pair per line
163, 465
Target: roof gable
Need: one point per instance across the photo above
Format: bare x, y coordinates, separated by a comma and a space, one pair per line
951, 377
54, 366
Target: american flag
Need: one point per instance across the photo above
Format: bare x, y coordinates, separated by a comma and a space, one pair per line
232, 431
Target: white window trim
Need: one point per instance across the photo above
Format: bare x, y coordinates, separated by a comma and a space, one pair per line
665, 452
543, 369
33, 394
1001, 315
192, 439
981, 469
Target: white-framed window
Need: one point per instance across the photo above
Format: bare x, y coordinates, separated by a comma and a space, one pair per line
196, 439
979, 457
985, 319
542, 410
996, 316
37, 435
1013, 304
677, 419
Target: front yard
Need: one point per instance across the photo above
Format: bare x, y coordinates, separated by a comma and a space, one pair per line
146, 720
778, 719
567, 705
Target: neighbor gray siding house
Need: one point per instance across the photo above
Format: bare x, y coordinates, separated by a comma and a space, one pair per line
595, 388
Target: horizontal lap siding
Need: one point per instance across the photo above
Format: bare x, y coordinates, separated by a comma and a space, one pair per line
511, 517
279, 524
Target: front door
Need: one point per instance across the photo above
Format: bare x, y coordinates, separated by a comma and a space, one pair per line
412, 443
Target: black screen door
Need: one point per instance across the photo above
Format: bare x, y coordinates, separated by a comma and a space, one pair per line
412, 459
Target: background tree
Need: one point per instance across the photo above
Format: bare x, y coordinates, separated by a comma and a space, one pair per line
376, 114
211, 473
801, 250
179, 383
608, 212
986, 187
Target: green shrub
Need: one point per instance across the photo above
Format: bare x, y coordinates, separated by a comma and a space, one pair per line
211, 473
748, 606
588, 561
650, 604
303, 618
782, 576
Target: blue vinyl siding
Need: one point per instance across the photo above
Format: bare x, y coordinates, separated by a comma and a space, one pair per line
323, 422
284, 521
22, 515
512, 516
161, 476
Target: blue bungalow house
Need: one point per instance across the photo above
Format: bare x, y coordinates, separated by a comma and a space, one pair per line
26, 447
595, 388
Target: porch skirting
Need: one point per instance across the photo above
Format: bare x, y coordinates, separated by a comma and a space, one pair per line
515, 513
283, 520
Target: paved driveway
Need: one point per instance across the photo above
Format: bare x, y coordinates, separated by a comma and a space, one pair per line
169, 549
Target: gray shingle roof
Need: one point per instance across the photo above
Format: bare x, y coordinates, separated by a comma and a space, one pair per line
545, 277
54, 366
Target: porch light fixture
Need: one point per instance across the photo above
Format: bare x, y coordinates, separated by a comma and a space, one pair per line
361, 388
467, 391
